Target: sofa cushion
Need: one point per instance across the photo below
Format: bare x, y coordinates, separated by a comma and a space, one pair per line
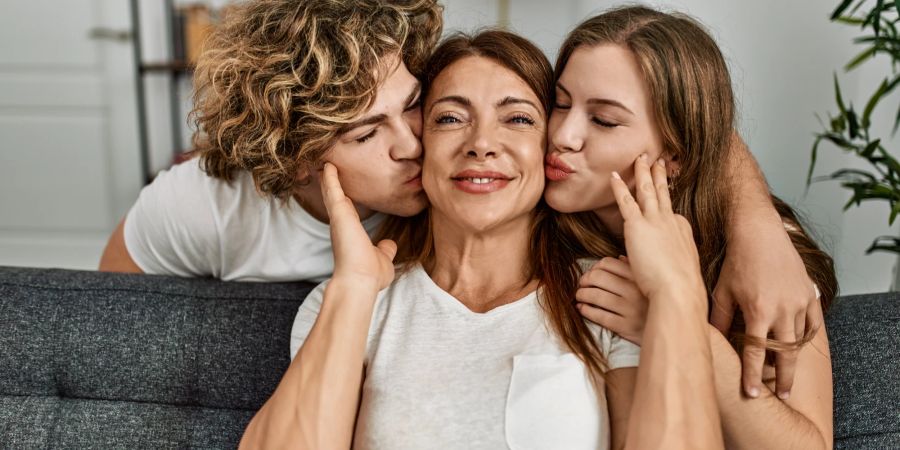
864, 335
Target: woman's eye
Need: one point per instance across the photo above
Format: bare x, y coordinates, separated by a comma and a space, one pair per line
522, 119
369, 135
561, 106
604, 123
446, 118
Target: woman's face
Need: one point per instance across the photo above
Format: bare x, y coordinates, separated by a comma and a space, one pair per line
601, 122
484, 138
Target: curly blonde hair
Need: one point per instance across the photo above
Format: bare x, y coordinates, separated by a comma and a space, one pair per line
278, 80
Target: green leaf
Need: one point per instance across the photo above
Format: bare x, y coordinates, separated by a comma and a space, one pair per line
852, 123
849, 20
812, 161
840, 9
895, 209
844, 173
873, 101
838, 124
860, 58
896, 122
837, 95
839, 140
886, 244
870, 149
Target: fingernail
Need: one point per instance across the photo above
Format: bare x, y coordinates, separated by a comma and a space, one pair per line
784, 395
753, 392
661, 162
644, 156
616, 175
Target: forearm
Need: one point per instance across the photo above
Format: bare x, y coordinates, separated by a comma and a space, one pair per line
764, 422
315, 405
748, 194
675, 385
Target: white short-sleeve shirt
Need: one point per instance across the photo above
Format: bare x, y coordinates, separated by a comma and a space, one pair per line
189, 224
441, 376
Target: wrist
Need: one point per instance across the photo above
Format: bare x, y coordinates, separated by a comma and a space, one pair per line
360, 288
684, 300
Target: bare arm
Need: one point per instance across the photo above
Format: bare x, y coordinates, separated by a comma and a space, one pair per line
803, 421
115, 256
774, 298
620, 385
675, 391
315, 405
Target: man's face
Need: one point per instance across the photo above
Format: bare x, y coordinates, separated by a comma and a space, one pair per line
379, 156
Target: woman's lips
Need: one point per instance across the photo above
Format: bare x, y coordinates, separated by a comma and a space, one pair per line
555, 169
415, 181
480, 182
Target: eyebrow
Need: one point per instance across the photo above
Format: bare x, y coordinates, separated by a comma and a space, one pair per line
463, 101
597, 101
516, 101
378, 118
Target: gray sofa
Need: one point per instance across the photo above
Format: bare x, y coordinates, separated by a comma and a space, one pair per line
95, 360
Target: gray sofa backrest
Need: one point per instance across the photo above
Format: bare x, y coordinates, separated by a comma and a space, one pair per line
97, 360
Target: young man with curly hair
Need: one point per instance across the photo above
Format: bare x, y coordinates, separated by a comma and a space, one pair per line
283, 87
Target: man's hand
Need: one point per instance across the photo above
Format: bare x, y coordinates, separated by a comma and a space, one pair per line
765, 277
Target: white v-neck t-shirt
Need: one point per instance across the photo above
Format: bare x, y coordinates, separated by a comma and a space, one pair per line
441, 376
187, 223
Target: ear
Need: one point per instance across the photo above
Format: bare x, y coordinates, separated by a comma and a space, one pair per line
309, 174
673, 166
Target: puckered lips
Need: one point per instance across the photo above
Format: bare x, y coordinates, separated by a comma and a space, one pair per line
555, 169
474, 181
414, 180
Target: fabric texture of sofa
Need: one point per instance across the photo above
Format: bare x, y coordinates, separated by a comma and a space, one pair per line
99, 360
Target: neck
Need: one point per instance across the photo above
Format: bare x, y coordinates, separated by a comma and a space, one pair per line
612, 219
475, 267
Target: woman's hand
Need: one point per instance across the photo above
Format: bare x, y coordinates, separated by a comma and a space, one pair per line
764, 276
355, 258
660, 244
608, 296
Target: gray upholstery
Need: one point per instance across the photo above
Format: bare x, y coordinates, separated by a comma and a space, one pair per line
94, 360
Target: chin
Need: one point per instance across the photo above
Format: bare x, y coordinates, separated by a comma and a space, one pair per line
560, 201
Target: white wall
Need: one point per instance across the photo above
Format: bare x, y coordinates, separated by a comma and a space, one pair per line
782, 56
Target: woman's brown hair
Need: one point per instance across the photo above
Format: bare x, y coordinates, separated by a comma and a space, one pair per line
278, 79
690, 89
552, 261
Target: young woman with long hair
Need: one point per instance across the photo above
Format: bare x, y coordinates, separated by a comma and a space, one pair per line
638, 84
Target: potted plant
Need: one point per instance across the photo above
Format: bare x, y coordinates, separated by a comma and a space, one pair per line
849, 129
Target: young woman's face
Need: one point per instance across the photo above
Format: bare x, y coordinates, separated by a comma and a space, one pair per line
601, 122
484, 139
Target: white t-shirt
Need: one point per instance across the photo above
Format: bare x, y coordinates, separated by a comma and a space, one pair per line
441, 376
189, 224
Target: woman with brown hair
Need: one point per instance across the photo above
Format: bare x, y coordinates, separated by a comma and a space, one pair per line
474, 343
638, 84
